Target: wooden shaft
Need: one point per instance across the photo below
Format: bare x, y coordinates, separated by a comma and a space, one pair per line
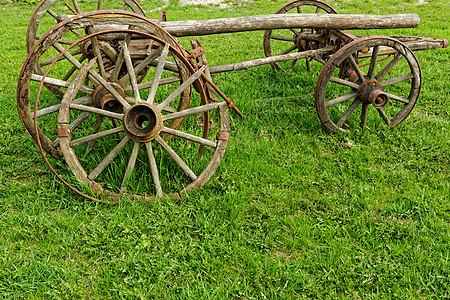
267, 60
282, 21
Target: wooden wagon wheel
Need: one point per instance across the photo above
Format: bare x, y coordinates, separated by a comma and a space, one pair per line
284, 41
49, 11
49, 47
372, 71
134, 153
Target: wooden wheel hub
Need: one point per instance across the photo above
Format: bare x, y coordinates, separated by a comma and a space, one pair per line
143, 122
371, 92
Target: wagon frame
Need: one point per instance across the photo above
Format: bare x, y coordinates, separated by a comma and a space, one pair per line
120, 49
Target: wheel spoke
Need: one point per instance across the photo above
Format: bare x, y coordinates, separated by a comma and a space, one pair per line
76, 6
389, 67
131, 73
340, 99
60, 83
193, 111
107, 160
97, 53
308, 64
181, 88
119, 61
54, 108
53, 14
97, 111
146, 85
154, 169
293, 64
190, 137
355, 67
96, 136
364, 109
397, 98
95, 129
51, 60
344, 82
130, 166
294, 31
317, 10
396, 80
288, 50
299, 9
373, 62
176, 158
99, 4
141, 66
158, 73
348, 112
168, 65
282, 38
384, 116
109, 51
73, 69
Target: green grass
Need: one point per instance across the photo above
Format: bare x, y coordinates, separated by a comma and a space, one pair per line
291, 212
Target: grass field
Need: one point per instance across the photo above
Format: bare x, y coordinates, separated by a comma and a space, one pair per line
291, 212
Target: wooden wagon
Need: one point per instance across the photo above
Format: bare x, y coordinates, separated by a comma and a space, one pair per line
126, 105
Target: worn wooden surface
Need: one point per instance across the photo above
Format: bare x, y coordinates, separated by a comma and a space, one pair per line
266, 22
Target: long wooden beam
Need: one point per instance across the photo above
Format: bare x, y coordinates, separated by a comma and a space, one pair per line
283, 21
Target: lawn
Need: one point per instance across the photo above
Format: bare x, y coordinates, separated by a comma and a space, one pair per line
293, 211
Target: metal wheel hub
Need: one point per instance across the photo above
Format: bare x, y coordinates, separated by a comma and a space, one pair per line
309, 40
143, 122
104, 100
371, 92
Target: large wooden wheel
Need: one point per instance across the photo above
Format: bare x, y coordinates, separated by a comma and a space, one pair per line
50, 11
47, 53
132, 158
378, 72
284, 41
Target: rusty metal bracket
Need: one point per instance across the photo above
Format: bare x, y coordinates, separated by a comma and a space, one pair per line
64, 132
196, 52
201, 64
223, 135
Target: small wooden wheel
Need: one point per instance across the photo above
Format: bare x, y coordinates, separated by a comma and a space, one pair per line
51, 11
132, 158
64, 68
284, 41
371, 71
